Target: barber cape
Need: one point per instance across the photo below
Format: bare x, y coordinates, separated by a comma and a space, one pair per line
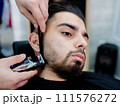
87, 81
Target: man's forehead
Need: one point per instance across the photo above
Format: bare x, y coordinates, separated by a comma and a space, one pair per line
66, 17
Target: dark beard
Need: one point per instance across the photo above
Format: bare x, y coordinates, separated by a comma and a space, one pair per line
68, 72
62, 69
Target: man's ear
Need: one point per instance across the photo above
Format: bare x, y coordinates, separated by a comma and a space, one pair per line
34, 42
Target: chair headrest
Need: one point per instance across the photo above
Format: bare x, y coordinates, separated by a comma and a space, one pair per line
20, 47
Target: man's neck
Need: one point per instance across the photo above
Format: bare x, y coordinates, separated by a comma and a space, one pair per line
48, 74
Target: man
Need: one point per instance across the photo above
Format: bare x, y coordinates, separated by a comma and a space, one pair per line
64, 45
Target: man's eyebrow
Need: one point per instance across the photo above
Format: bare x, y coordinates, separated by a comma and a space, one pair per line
68, 25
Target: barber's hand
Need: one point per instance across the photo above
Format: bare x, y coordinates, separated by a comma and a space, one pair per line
10, 79
35, 10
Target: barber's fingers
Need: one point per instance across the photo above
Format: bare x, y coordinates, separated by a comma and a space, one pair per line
22, 76
39, 12
29, 16
20, 84
43, 5
46, 3
36, 12
13, 60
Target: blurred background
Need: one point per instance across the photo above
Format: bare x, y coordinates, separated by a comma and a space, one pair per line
102, 18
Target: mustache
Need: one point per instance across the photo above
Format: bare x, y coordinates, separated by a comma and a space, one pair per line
80, 50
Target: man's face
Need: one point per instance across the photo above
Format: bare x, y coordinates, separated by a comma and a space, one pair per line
65, 41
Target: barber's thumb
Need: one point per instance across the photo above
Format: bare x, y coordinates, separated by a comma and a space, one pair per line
15, 59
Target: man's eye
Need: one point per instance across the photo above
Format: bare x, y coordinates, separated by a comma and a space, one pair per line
67, 34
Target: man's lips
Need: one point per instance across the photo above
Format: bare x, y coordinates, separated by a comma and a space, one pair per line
79, 57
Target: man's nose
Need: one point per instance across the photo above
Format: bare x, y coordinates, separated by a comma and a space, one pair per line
81, 42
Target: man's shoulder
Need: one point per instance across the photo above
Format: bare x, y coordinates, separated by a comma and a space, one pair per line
33, 84
101, 81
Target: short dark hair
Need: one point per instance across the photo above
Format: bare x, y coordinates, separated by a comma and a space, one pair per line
62, 6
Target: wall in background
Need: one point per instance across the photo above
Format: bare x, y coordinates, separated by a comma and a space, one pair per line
18, 31
104, 25
20, 28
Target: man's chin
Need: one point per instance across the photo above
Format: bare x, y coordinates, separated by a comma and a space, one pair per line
70, 71
78, 64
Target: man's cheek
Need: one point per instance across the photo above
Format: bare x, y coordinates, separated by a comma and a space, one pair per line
62, 49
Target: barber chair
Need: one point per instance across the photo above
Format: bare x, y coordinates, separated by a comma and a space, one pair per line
20, 47
106, 59
1, 55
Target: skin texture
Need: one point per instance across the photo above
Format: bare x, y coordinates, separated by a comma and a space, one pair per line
64, 46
